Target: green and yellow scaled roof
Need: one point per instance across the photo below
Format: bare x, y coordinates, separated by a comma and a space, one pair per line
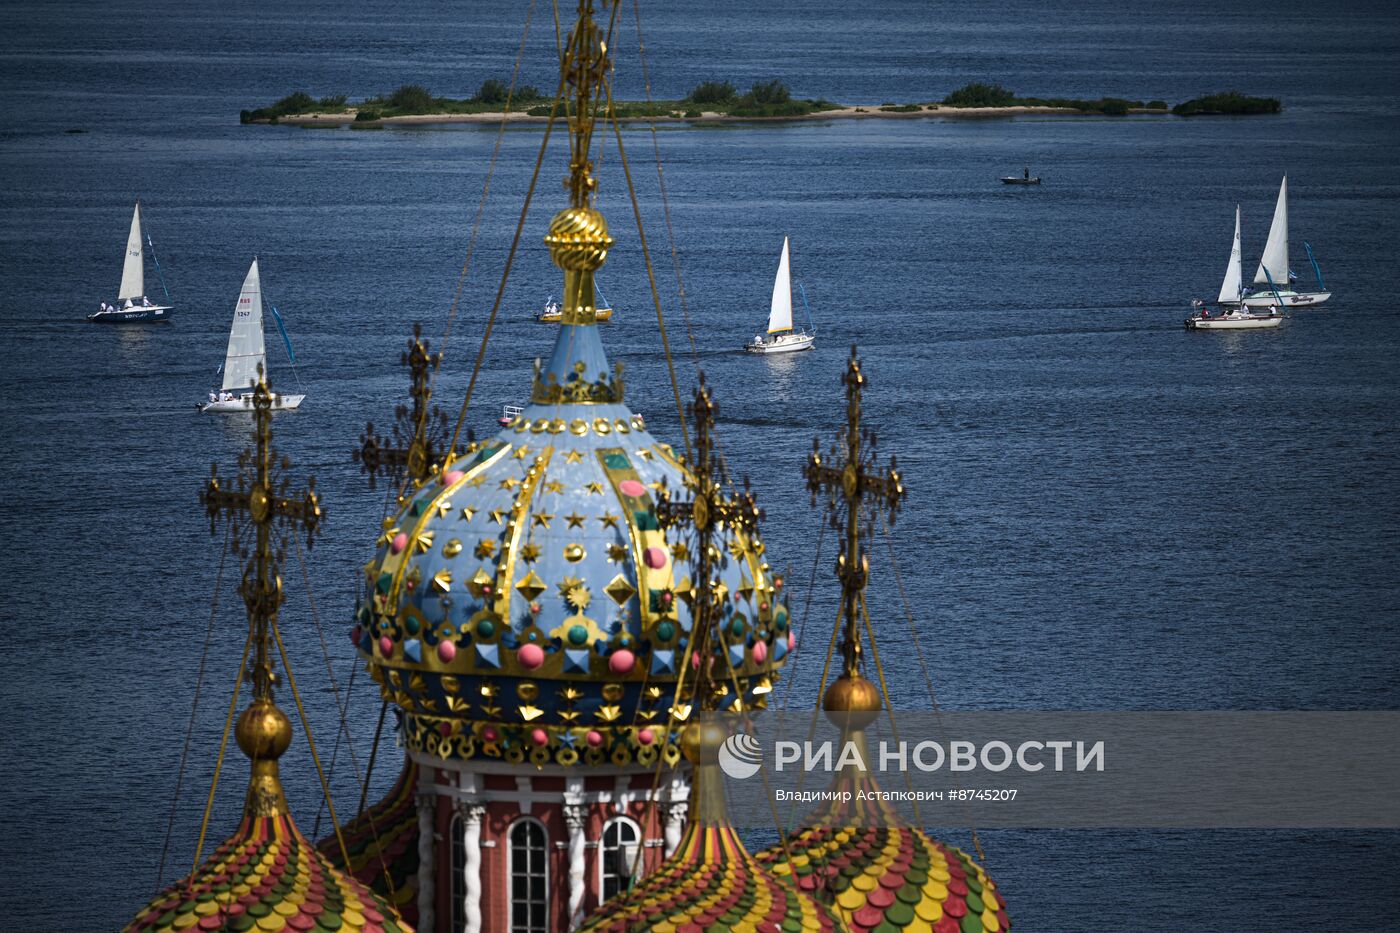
267, 878
528, 605
382, 844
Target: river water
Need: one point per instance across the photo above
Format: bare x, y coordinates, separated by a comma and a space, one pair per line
1105, 512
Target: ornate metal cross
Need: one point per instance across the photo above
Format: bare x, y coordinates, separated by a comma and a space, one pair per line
418, 447
859, 482
707, 508
263, 498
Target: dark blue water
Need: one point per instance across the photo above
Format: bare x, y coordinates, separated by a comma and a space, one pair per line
1105, 511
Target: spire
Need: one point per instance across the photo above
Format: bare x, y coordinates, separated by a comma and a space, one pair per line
262, 499
858, 482
578, 237
419, 443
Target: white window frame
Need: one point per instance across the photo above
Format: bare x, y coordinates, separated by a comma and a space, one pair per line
512, 874
603, 871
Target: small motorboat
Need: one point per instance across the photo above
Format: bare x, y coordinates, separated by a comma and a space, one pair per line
1231, 319
1023, 179
509, 413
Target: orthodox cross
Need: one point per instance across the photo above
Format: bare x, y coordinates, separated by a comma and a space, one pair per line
417, 447
707, 508
584, 67
858, 481
262, 497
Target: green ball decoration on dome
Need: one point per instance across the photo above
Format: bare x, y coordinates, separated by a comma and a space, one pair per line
486, 628
412, 625
665, 631
578, 635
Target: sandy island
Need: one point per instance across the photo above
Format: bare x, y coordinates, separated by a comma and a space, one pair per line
841, 113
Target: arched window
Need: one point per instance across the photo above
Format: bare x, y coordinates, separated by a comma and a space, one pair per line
459, 874
621, 838
529, 878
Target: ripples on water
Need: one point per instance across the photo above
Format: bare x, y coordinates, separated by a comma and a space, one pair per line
1105, 511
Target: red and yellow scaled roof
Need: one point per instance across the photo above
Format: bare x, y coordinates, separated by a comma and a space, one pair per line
383, 845
712, 882
879, 874
265, 879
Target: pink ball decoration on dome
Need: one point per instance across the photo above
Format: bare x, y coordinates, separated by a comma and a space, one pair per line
531, 656
655, 557
622, 661
444, 728
386, 645
446, 651
792, 641
760, 652
452, 477
490, 734
399, 543
631, 487
539, 737
594, 738
695, 661
646, 737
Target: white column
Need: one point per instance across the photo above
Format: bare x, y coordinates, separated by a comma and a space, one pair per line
675, 814
576, 816
472, 813
426, 864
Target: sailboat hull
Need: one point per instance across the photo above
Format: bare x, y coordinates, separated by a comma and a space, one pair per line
783, 343
1240, 322
1291, 299
142, 315
244, 403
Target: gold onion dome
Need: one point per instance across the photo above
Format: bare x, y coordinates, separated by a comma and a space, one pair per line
267, 877
382, 843
711, 882
527, 603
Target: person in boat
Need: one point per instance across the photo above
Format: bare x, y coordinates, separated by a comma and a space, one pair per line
213, 397
1026, 173
145, 302
758, 340
103, 308
128, 304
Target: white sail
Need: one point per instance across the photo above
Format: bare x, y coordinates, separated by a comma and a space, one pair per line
246, 351
1234, 272
133, 269
780, 312
1275, 258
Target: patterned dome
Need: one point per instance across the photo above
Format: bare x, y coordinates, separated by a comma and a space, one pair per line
382, 841
881, 874
711, 882
267, 877
529, 604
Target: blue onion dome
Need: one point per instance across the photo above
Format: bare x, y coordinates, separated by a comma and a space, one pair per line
527, 604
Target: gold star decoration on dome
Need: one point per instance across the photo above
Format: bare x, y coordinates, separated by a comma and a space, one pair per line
530, 552
855, 483
574, 519
573, 456
418, 447
262, 498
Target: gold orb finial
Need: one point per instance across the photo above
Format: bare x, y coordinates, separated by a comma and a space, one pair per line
852, 702
701, 741
264, 732
578, 239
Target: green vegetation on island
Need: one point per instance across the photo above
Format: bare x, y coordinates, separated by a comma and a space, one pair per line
996, 96
709, 99
1231, 102
769, 99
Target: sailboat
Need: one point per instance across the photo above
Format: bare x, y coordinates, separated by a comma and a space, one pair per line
553, 313
247, 354
781, 336
1274, 273
132, 306
1231, 287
